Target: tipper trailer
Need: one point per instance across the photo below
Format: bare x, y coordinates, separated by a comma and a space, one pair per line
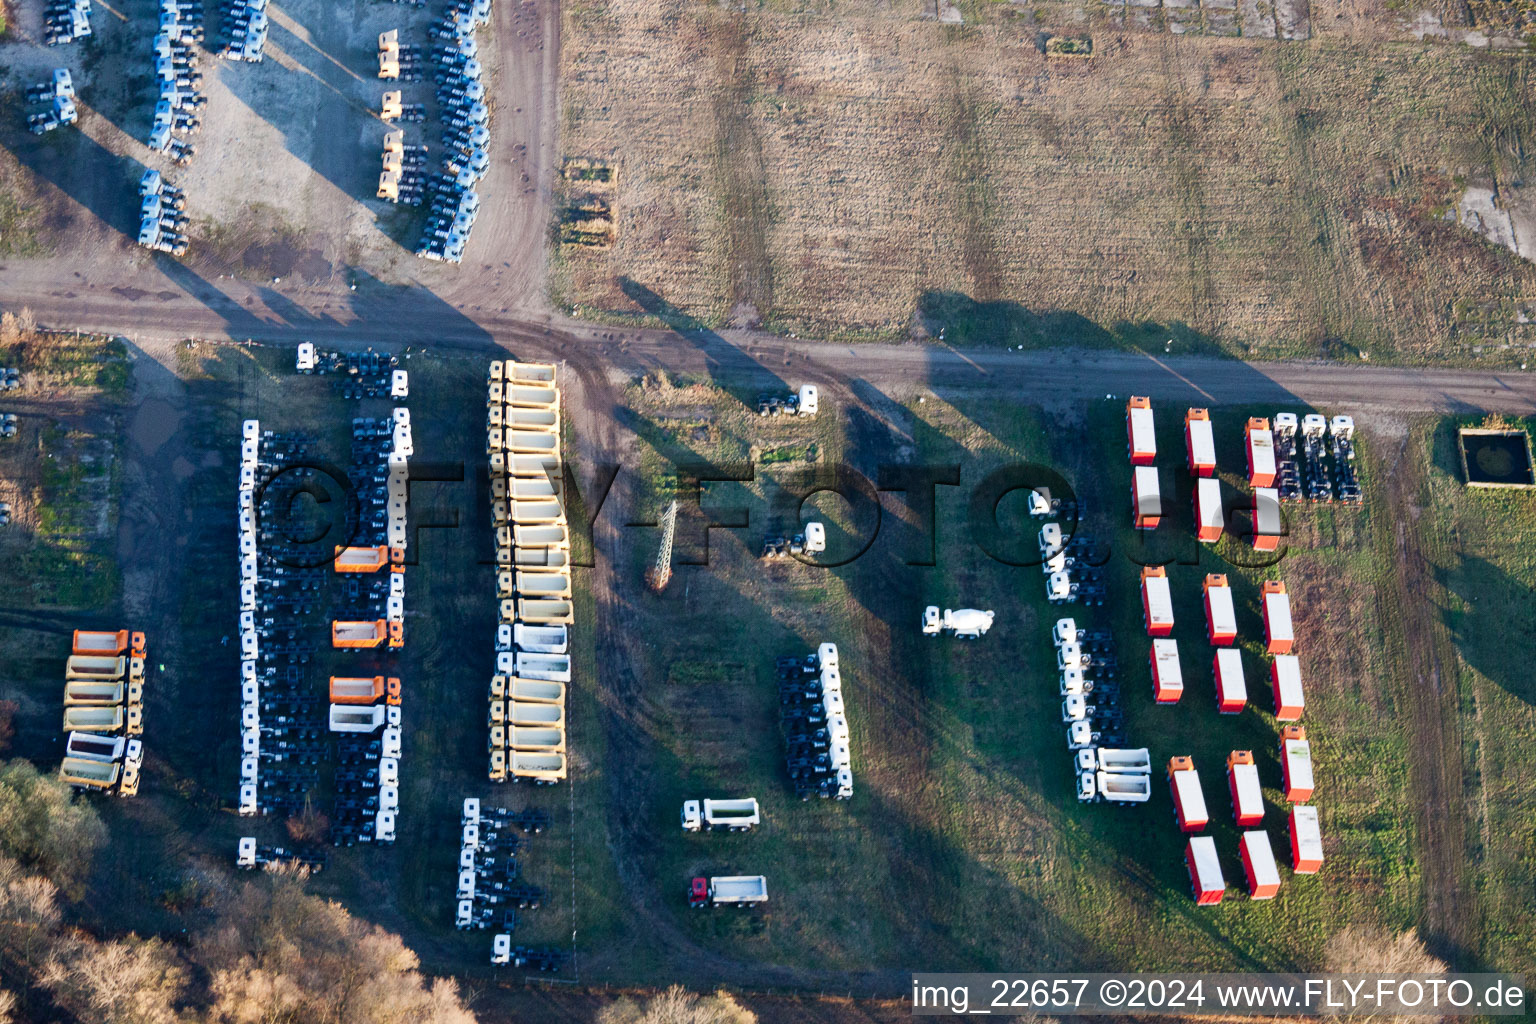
1285, 680
84, 693
1243, 784
1306, 840
1296, 764
1259, 865
1220, 613
1199, 442
1210, 518
1205, 877
1268, 524
80, 666
1278, 633
728, 890
1231, 686
1167, 673
1156, 601
1188, 800
1260, 448
1141, 438
542, 767
721, 815
1146, 498
93, 747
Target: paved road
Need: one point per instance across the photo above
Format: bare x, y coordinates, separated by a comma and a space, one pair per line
156, 310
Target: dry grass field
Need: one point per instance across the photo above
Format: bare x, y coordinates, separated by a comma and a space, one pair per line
861, 170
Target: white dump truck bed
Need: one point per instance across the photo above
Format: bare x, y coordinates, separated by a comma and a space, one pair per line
742, 813
1131, 762
738, 888
540, 639
553, 667
1125, 788
536, 691
93, 719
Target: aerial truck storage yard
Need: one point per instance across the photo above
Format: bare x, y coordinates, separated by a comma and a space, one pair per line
521, 511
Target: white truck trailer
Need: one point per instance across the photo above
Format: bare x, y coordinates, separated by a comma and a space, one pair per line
722, 815
728, 891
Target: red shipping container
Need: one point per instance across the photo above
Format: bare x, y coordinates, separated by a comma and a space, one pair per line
1261, 453
1285, 679
1306, 840
1210, 519
1278, 636
1156, 601
1243, 783
1296, 764
1231, 686
1188, 800
1220, 615
1141, 438
1205, 878
1146, 498
1259, 865
1199, 443
1167, 673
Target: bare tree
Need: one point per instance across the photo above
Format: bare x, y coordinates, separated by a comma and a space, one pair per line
1369, 949
7, 1005
135, 981
44, 827
678, 1006
17, 328
280, 955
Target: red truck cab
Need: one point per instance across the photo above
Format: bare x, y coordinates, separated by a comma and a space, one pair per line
698, 892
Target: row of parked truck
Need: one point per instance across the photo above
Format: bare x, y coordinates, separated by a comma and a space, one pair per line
817, 748
288, 730
104, 711
454, 204
51, 103
244, 24
1090, 709
66, 21
162, 215
491, 890
526, 713
179, 108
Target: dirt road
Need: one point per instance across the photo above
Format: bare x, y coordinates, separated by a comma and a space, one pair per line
159, 305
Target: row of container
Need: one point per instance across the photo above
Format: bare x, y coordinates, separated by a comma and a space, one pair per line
526, 709
1221, 632
461, 95
104, 711
1247, 797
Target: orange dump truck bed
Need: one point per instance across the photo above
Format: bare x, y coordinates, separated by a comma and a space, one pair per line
358, 634
361, 559
107, 644
356, 689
